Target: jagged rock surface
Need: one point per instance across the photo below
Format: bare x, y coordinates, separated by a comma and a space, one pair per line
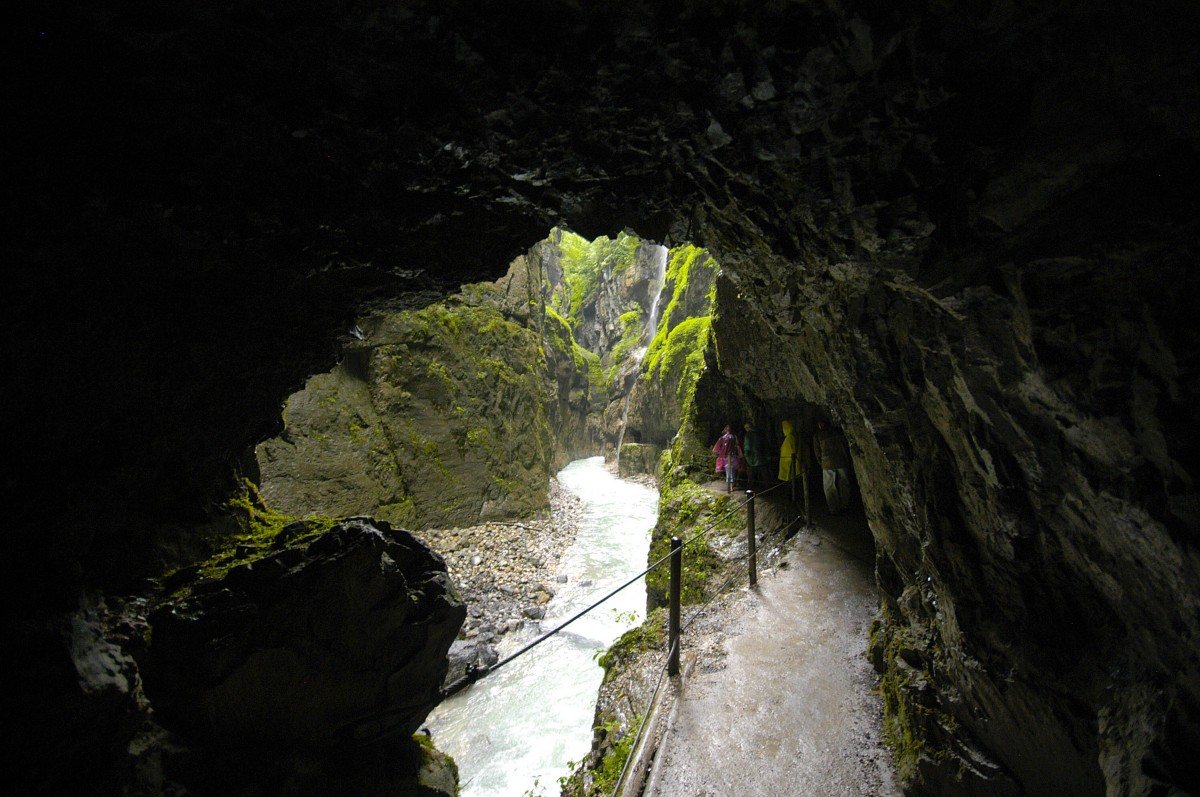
456, 414
337, 644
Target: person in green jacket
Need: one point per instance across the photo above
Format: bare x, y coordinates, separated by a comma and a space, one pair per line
750, 448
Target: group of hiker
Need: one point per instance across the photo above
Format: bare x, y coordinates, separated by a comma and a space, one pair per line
741, 459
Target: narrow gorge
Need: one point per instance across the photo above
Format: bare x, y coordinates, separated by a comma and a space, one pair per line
292, 282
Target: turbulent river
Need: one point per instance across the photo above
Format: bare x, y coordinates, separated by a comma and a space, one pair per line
515, 731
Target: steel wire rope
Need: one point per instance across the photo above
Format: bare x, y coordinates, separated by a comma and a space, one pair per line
671, 649
736, 575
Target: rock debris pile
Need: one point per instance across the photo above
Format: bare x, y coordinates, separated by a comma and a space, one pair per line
505, 573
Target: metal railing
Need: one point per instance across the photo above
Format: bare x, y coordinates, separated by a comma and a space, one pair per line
676, 625
631, 781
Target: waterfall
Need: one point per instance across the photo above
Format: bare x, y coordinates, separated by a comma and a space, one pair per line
651, 329
660, 258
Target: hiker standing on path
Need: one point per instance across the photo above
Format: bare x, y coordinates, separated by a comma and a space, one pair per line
831, 451
793, 454
729, 455
750, 446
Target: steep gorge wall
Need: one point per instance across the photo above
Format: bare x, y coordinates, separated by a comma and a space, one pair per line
459, 412
1022, 424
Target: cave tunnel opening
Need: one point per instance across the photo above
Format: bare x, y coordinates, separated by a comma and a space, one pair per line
721, 404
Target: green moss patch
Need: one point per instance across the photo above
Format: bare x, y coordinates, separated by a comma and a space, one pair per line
650, 635
259, 533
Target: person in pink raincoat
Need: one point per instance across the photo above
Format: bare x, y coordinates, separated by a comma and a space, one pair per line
729, 455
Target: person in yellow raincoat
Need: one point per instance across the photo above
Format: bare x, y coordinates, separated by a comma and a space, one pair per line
793, 454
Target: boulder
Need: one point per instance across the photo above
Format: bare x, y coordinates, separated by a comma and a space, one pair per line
638, 458
466, 655
344, 639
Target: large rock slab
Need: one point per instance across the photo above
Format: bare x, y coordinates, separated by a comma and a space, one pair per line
342, 640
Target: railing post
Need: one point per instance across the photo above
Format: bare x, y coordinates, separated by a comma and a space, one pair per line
750, 537
807, 511
792, 474
673, 627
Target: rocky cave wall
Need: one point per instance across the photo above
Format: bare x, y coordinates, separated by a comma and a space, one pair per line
966, 232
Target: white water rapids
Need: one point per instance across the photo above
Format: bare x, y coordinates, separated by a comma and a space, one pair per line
515, 731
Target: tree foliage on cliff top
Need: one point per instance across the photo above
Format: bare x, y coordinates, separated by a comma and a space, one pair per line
585, 262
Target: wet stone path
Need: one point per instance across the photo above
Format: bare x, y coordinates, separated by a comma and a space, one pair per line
791, 708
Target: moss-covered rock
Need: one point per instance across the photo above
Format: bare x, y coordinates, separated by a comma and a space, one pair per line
707, 522
458, 412
442, 422
675, 359
638, 458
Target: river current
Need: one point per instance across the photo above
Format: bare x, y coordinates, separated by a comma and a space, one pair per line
516, 731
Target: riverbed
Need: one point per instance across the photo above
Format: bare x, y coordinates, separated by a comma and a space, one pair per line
518, 730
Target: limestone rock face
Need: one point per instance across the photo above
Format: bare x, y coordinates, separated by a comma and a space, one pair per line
438, 417
638, 458
343, 641
1030, 512
455, 414
662, 397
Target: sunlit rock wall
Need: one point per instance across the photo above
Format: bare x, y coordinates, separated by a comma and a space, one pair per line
460, 412
438, 417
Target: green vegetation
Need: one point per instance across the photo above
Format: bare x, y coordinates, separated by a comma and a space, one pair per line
698, 565
462, 408
597, 384
618, 738
631, 338
680, 359
907, 719
689, 269
584, 265
650, 635
259, 531
476, 403
686, 508
613, 763
438, 771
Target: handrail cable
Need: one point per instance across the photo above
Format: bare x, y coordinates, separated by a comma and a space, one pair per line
734, 576
662, 672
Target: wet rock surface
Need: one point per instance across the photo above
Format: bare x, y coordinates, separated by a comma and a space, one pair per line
342, 640
304, 670
777, 714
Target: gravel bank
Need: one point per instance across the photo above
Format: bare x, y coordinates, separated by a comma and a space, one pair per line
505, 572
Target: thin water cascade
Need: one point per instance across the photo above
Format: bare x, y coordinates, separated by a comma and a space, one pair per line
651, 329
523, 723
660, 258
